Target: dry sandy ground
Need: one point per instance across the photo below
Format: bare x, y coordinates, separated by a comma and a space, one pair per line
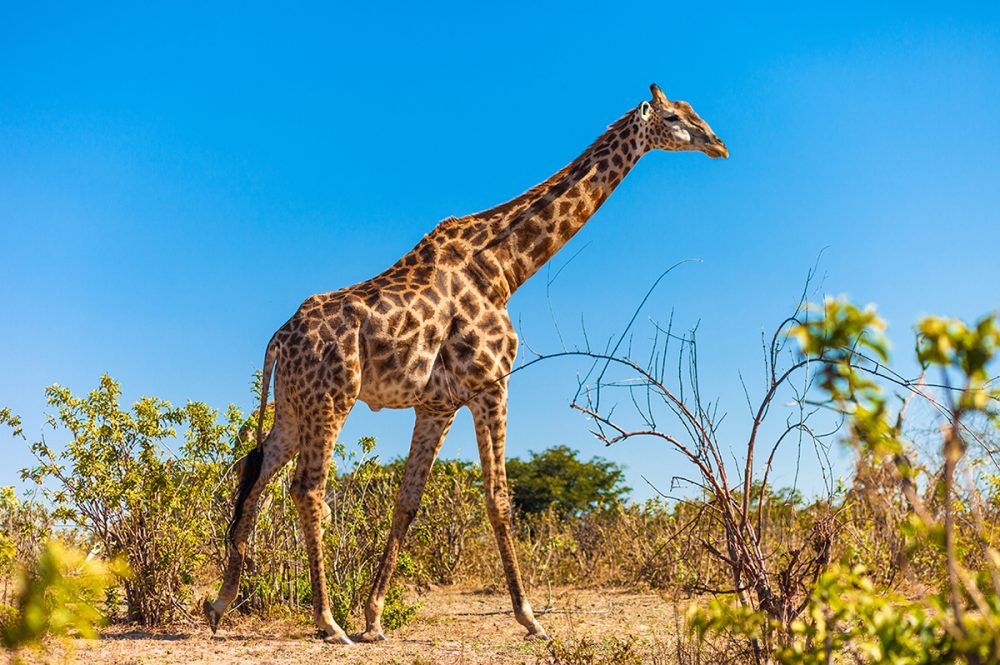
452, 626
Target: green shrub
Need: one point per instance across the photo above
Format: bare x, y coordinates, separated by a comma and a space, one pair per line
452, 517
118, 481
24, 527
613, 651
848, 616
60, 595
8, 615
397, 612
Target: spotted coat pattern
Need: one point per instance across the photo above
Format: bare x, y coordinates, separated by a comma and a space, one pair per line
432, 333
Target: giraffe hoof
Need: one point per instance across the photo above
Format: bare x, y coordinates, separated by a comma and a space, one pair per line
537, 637
211, 615
338, 639
372, 636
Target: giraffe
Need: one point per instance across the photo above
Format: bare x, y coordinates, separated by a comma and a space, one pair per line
431, 333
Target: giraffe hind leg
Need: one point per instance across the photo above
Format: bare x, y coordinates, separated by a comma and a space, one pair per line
276, 450
309, 494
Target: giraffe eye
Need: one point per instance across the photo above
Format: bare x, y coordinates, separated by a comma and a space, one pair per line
673, 118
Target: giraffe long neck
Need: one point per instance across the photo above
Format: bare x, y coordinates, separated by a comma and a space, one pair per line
515, 239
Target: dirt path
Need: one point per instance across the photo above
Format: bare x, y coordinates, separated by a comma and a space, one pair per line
452, 626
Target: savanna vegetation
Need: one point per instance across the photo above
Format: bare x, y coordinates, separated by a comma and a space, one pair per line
128, 505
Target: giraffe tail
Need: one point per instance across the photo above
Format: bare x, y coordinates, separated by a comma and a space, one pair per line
251, 467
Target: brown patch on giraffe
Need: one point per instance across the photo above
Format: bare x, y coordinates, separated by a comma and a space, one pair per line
454, 253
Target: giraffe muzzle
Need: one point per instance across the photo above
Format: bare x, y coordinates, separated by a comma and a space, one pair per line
717, 149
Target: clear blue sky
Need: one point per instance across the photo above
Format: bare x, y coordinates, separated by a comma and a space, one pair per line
175, 180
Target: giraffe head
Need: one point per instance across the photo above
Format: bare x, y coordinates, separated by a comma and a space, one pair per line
675, 126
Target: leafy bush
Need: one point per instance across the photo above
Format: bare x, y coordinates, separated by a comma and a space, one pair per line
24, 527
397, 612
847, 615
8, 617
360, 498
119, 482
614, 651
60, 595
451, 519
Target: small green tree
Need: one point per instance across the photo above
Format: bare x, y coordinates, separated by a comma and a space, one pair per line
557, 478
118, 480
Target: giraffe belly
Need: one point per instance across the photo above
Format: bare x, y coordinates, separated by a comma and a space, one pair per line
411, 385
396, 380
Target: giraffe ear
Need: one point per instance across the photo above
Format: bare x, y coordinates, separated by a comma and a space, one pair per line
658, 95
645, 110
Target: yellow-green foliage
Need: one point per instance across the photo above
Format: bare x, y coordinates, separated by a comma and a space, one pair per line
137, 487
8, 617
847, 616
950, 344
8, 547
59, 596
24, 527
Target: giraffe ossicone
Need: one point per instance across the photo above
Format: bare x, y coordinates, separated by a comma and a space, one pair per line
431, 333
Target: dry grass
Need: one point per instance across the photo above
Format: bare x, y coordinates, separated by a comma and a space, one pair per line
453, 626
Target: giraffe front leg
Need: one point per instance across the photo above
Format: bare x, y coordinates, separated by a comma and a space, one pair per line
429, 431
490, 416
